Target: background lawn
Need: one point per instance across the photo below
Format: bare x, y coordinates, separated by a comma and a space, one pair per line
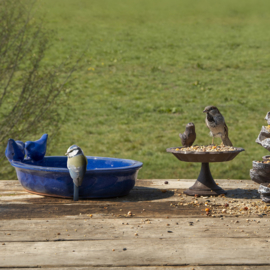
152, 66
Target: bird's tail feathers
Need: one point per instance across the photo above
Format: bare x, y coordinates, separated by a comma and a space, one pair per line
226, 141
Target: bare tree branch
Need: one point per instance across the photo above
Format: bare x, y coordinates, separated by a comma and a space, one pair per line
30, 92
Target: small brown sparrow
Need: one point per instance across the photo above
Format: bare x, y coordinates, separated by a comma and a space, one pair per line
216, 123
189, 136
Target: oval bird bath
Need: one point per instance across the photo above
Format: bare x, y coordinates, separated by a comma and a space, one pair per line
205, 184
104, 177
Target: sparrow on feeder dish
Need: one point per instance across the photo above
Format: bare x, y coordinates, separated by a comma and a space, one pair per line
216, 123
189, 136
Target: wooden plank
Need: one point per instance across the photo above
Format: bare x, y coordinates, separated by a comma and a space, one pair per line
145, 252
157, 202
107, 209
14, 185
186, 183
158, 192
190, 267
86, 228
136, 194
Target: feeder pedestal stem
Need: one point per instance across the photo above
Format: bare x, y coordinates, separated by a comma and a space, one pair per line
205, 184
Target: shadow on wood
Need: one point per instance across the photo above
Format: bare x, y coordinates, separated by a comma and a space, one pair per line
240, 193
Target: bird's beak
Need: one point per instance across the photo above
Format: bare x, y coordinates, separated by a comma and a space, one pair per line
66, 154
204, 111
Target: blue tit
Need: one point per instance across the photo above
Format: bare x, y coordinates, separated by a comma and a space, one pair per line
36, 150
77, 164
15, 150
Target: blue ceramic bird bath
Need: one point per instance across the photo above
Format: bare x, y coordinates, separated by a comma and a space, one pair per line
104, 177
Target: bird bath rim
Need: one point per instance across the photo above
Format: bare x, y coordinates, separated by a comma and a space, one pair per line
37, 166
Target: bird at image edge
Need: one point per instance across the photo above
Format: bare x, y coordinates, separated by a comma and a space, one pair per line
77, 164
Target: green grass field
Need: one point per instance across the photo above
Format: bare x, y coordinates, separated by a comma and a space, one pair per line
152, 66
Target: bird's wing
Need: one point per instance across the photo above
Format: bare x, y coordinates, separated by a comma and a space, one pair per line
77, 168
226, 130
210, 118
86, 161
182, 135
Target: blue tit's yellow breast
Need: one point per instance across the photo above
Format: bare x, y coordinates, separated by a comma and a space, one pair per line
77, 161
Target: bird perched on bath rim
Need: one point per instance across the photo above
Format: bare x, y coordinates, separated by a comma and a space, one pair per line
216, 123
77, 164
189, 136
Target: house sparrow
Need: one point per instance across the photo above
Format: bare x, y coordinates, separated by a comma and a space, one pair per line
189, 136
216, 123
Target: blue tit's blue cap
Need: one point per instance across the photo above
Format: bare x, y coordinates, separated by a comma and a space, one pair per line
73, 147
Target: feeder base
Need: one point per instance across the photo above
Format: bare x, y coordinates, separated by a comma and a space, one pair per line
205, 184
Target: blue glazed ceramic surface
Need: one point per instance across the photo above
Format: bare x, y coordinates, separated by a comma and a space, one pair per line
105, 177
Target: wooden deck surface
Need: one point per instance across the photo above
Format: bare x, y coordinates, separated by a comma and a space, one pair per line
166, 230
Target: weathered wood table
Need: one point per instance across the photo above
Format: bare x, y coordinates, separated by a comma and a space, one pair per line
155, 227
